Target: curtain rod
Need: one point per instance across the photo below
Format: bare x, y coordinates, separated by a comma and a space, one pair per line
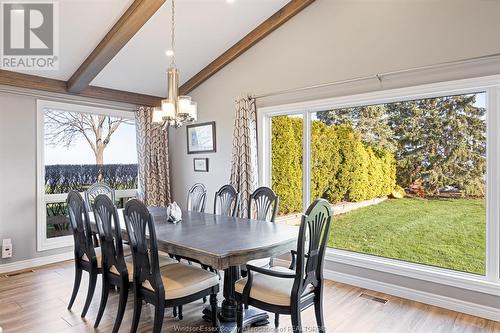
380, 76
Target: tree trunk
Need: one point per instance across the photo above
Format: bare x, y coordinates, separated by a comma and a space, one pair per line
99, 161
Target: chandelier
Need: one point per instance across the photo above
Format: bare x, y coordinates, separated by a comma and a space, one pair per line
175, 110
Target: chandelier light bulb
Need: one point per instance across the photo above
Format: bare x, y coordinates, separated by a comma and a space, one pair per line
169, 53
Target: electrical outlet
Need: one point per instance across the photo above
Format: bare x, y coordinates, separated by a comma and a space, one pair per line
7, 248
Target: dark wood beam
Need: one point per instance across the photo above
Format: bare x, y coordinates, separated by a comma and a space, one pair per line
265, 28
127, 26
27, 81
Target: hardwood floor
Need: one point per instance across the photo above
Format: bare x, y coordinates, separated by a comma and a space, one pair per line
36, 302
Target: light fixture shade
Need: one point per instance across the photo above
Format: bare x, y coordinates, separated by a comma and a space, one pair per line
193, 111
168, 109
184, 103
157, 116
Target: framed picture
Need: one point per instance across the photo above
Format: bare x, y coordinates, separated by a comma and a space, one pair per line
200, 164
201, 138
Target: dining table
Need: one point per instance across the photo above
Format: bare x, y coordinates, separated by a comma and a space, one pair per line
224, 243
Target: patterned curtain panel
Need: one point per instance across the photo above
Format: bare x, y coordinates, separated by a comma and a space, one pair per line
152, 155
244, 165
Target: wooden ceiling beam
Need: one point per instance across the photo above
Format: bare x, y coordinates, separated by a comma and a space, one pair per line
27, 81
265, 28
127, 26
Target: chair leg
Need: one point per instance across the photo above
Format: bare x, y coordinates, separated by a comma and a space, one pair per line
276, 320
137, 314
122, 303
76, 286
239, 317
180, 313
204, 300
296, 322
159, 314
318, 310
104, 299
90, 292
175, 312
213, 305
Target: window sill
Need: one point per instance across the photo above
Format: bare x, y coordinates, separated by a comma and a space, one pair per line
442, 276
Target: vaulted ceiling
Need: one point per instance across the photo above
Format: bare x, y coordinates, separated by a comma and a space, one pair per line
205, 29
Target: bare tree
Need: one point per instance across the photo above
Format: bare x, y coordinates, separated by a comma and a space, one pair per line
66, 127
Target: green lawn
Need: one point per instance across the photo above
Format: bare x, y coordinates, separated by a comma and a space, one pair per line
448, 233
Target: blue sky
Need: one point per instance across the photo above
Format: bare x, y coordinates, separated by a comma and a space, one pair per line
120, 150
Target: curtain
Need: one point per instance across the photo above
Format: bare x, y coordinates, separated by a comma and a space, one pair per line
244, 165
152, 156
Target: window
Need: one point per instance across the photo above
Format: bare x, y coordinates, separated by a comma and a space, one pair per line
407, 173
79, 146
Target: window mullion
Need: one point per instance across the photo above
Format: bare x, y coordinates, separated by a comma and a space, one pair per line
306, 161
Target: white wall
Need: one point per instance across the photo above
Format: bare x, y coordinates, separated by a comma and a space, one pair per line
335, 40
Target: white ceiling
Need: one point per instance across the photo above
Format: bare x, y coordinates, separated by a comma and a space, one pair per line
82, 25
204, 30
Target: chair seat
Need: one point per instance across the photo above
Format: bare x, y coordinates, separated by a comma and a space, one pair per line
264, 262
163, 259
270, 289
180, 280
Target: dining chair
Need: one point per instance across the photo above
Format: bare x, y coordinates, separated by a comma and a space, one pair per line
197, 196
286, 291
94, 190
227, 201
262, 206
168, 286
115, 265
87, 258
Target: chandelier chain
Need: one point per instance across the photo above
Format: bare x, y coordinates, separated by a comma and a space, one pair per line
172, 41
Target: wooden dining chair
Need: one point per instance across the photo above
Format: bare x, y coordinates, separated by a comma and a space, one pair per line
227, 201
86, 257
262, 206
168, 286
285, 291
94, 190
197, 196
115, 265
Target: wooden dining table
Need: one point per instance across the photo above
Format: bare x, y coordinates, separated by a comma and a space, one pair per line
224, 243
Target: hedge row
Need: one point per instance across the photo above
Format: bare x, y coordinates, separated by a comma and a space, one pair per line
64, 178
342, 167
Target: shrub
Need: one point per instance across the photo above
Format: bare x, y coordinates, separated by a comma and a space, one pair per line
343, 168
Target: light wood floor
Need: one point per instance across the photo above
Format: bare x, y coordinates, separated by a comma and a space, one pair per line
37, 301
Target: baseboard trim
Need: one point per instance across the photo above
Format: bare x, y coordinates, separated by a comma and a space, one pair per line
35, 262
416, 295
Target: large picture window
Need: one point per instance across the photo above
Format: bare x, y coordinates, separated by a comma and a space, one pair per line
407, 174
79, 146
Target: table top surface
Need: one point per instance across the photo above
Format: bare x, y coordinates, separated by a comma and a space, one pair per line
220, 241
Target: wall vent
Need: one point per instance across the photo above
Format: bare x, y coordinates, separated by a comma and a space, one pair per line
374, 298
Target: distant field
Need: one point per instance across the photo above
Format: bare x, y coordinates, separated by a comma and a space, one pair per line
448, 233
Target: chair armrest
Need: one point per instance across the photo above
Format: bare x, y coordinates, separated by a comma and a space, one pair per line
269, 272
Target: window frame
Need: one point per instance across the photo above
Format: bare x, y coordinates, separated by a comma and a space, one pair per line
42, 242
488, 283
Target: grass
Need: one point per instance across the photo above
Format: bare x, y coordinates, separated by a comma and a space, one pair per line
448, 233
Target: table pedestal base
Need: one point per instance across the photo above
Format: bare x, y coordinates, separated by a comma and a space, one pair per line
251, 317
